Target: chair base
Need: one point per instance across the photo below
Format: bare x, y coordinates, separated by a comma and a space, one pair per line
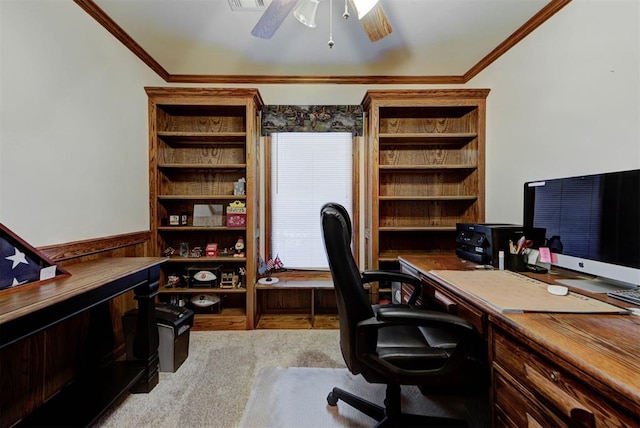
391, 415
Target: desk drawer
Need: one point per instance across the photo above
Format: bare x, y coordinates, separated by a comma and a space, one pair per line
545, 390
513, 409
455, 305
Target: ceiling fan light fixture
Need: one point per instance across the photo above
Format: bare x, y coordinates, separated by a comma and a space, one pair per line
305, 12
364, 6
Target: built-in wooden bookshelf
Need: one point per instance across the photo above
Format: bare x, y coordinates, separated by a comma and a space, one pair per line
426, 171
201, 143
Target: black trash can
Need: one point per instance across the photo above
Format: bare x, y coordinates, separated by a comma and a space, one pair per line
174, 325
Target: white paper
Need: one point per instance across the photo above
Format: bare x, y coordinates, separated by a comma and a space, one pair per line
48, 272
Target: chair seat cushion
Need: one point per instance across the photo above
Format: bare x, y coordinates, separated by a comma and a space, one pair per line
402, 337
440, 337
407, 347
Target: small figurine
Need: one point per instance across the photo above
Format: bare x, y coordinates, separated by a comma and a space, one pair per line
239, 247
173, 280
239, 186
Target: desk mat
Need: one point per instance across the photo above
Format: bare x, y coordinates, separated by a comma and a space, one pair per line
512, 292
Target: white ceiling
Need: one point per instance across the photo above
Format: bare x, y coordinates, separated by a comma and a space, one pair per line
430, 37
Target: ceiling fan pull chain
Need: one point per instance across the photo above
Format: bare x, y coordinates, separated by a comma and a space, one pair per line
345, 15
331, 42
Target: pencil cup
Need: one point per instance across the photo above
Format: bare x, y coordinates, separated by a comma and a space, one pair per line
516, 263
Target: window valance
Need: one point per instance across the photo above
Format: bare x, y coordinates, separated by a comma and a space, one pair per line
289, 118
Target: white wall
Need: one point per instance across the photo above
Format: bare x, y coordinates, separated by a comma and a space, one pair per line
565, 101
73, 134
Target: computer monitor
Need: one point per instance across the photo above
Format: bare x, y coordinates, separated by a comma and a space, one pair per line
592, 225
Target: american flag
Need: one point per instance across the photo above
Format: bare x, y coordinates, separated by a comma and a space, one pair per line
270, 264
16, 267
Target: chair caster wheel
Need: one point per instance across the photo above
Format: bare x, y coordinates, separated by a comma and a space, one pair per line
333, 401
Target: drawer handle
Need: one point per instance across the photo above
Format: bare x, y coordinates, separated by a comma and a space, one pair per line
576, 411
448, 303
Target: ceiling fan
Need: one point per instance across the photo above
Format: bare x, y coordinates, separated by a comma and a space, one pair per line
370, 14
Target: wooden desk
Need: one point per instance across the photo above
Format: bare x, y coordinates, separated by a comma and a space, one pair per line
30, 308
548, 369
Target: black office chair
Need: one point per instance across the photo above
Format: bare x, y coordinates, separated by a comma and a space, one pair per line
392, 344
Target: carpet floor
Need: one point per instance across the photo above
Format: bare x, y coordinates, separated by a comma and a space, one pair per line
265, 378
212, 386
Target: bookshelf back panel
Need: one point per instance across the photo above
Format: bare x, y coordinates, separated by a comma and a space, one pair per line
456, 182
437, 155
198, 182
418, 214
402, 120
200, 119
203, 155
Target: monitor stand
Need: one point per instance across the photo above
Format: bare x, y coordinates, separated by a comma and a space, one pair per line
595, 285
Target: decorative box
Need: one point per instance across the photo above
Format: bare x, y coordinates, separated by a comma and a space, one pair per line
204, 276
211, 250
237, 214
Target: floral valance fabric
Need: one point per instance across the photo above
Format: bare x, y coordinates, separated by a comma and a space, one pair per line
287, 118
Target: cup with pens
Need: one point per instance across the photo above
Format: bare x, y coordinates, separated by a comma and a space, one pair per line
517, 254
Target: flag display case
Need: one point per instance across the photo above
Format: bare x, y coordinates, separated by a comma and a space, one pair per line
21, 264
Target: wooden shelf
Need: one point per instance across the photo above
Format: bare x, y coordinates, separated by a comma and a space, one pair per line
197, 228
227, 319
180, 137
203, 141
200, 197
201, 166
189, 260
298, 321
417, 229
426, 138
201, 290
428, 198
426, 167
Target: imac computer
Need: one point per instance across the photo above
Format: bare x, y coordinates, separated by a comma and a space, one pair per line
592, 226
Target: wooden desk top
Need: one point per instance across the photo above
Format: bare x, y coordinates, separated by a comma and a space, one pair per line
604, 347
25, 299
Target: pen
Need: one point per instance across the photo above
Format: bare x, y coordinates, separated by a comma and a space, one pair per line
520, 244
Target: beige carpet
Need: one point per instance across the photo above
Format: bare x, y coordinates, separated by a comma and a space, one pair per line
212, 386
296, 397
255, 379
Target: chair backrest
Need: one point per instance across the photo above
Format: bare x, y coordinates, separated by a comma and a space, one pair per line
352, 299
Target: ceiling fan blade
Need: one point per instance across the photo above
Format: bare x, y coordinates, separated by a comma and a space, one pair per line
376, 24
272, 18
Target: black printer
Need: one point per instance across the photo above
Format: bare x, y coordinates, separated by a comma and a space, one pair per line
481, 242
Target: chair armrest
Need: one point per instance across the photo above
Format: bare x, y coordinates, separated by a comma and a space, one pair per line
407, 315
383, 275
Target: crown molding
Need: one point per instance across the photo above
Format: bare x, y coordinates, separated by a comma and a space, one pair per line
527, 28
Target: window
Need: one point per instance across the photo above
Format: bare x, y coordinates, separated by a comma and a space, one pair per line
307, 170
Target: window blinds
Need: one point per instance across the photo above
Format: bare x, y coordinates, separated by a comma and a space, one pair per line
307, 170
